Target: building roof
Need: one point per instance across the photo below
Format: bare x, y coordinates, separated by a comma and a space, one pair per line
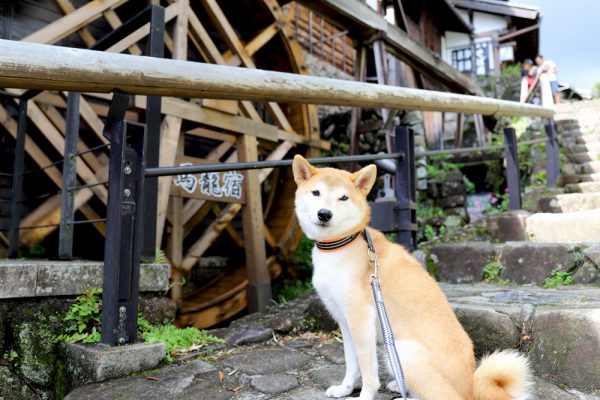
446, 16
500, 7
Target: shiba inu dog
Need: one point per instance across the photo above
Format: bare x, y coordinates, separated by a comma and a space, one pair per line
435, 351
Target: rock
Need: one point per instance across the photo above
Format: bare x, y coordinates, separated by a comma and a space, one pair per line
508, 226
322, 318
593, 253
567, 347
453, 201
573, 227
547, 391
572, 202
266, 362
89, 363
18, 279
158, 310
327, 376
452, 187
526, 262
489, 329
333, 352
453, 221
586, 274
462, 262
36, 351
12, 387
583, 187
183, 382
274, 384
421, 257
253, 335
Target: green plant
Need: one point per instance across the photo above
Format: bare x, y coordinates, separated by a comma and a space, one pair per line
492, 272
558, 278
160, 257
429, 211
177, 339
499, 204
469, 185
290, 289
83, 319
428, 232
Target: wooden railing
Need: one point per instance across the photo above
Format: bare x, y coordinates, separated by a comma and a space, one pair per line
43, 67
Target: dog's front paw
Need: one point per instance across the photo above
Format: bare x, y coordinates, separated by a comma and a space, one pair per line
339, 391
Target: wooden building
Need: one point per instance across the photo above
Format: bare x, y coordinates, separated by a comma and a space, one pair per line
199, 216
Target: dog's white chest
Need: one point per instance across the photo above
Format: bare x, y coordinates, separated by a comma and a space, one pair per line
332, 279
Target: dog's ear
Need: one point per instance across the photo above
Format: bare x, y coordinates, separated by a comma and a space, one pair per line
303, 171
365, 178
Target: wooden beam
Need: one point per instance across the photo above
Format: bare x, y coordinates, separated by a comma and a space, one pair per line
89, 71
235, 44
171, 126
259, 282
175, 247
73, 22
502, 9
519, 32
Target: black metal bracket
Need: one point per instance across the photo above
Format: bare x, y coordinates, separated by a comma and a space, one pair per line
123, 228
513, 178
67, 197
552, 155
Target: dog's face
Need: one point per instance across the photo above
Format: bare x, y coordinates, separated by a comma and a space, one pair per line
331, 203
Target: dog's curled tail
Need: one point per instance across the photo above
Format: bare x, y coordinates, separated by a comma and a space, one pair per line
503, 375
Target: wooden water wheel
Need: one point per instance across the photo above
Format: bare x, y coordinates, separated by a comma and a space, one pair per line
192, 221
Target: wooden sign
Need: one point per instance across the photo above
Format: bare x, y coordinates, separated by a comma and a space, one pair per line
224, 187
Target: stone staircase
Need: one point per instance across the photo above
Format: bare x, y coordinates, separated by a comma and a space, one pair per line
558, 328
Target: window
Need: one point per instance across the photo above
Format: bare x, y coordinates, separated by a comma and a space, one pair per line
461, 59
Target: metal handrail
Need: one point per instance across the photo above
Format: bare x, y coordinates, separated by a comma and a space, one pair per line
62, 68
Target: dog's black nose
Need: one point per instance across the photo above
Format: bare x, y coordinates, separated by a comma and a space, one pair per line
324, 214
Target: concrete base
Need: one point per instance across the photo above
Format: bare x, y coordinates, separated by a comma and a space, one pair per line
39, 278
91, 363
574, 227
564, 203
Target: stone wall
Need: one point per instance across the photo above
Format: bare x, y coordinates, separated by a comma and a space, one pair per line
34, 298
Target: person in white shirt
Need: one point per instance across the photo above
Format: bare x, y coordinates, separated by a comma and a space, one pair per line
549, 67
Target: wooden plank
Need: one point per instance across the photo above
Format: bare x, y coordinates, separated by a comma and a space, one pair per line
142, 32
84, 33
88, 71
73, 22
458, 136
210, 134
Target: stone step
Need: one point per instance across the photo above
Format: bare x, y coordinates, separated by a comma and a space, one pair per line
580, 148
579, 138
516, 262
582, 157
571, 227
583, 187
590, 177
564, 203
589, 167
559, 329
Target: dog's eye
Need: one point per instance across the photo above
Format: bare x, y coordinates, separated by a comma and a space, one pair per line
316, 193
344, 198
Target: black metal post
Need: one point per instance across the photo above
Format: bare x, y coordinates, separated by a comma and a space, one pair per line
513, 179
123, 227
69, 178
552, 155
153, 114
17, 183
405, 189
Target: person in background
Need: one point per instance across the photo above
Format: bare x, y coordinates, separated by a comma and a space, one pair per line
549, 67
528, 71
